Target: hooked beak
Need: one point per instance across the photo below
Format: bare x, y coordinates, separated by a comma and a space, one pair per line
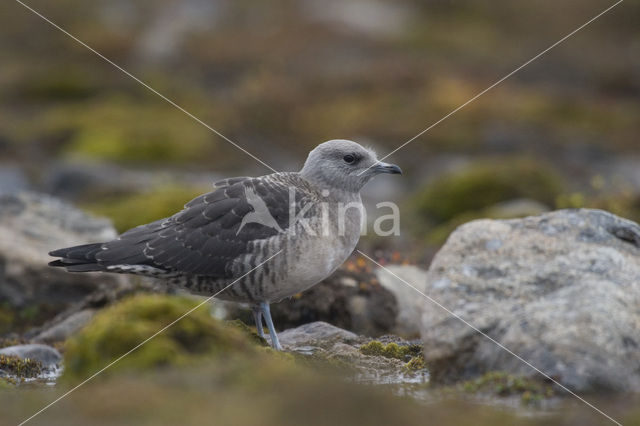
386, 168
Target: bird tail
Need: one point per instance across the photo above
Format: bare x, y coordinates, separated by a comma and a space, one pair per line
78, 258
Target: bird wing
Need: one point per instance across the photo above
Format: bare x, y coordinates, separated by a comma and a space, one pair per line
203, 238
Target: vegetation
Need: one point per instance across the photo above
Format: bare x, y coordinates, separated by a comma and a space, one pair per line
474, 192
20, 367
120, 328
411, 354
504, 384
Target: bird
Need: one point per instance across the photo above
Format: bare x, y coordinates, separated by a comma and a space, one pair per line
306, 224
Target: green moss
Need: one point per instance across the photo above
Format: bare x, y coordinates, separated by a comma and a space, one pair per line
131, 210
125, 131
625, 204
504, 384
20, 367
416, 363
120, 328
411, 354
391, 350
5, 342
7, 383
248, 331
483, 185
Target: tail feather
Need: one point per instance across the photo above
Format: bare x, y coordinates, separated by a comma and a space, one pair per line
78, 258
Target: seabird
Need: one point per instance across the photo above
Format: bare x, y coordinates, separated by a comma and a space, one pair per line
311, 218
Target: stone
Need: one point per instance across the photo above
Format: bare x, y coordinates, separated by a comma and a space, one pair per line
410, 302
66, 328
314, 331
325, 342
561, 290
47, 355
31, 225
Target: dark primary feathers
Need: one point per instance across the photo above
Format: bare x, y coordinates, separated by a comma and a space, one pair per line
202, 239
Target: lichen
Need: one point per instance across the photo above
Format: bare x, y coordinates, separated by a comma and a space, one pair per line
20, 368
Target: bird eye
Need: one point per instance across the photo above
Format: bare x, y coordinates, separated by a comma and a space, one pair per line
349, 158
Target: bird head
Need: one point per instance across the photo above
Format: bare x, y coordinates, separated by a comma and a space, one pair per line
344, 164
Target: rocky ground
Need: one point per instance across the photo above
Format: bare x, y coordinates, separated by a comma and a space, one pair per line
560, 290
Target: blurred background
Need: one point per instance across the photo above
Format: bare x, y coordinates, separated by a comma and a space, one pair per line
280, 77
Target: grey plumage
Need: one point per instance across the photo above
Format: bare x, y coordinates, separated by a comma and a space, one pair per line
219, 236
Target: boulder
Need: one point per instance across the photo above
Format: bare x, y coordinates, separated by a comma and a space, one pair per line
47, 355
561, 290
31, 225
410, 303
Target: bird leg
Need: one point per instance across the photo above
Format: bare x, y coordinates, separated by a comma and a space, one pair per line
266, 313
257, 317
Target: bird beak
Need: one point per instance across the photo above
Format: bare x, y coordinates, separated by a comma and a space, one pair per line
387, 168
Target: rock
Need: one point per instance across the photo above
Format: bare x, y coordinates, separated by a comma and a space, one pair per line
353, 301
327, 343
315, 331
410, 303
66, 328
30, 226
561, 290
12, 179
45, 354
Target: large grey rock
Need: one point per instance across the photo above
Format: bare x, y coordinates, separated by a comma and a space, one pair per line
410, 303
45, 354
562, 290
30, 226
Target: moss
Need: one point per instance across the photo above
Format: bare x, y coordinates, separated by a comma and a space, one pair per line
416, 363
483, 185
20, 367
625, 204
411, 354
120, 328
504, 384
132, 210
12, 341
123, 130
248, 331
7, 383
391, 350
